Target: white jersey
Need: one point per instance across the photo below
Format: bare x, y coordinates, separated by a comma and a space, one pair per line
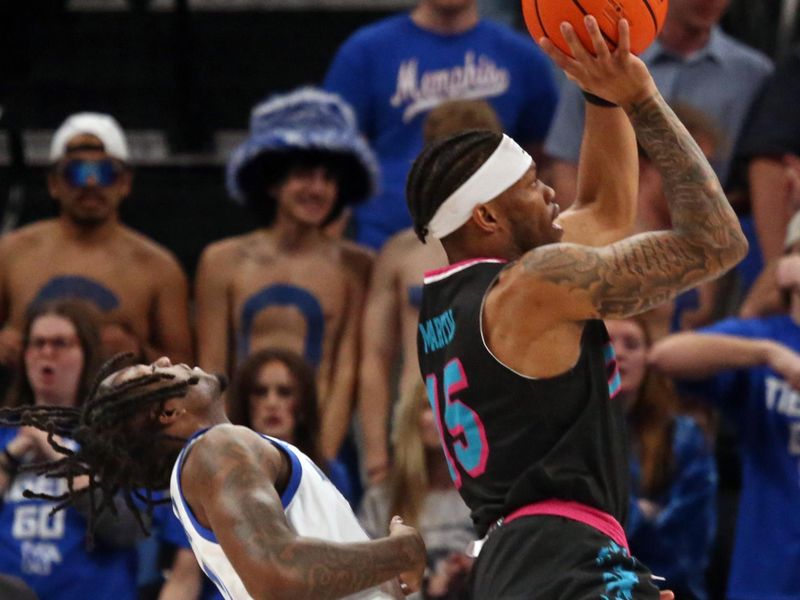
313, 507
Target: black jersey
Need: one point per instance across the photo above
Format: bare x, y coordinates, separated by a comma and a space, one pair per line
512, 440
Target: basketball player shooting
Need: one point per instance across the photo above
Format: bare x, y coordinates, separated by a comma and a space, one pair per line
512, 346
261, 518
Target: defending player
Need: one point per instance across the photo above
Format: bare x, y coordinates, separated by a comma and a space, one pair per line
517, 362
262, 519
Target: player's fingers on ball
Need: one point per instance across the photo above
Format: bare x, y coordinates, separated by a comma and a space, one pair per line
556, 55
578, 51
550, 49
599, 44
624, 38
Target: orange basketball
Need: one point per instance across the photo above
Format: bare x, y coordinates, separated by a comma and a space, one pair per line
646, 17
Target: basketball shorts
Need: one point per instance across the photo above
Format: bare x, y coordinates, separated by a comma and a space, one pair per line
546, 557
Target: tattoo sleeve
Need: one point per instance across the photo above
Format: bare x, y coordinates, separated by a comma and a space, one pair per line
262, 544
637, 273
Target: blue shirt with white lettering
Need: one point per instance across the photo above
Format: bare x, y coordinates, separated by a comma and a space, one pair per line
393, 73
49, 552
766, 556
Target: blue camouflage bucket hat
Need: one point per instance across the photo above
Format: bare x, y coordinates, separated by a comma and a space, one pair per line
306, 127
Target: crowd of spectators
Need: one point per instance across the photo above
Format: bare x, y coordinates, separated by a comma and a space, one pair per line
312, 314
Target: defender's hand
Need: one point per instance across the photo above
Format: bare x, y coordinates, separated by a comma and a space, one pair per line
619, 77
411, 580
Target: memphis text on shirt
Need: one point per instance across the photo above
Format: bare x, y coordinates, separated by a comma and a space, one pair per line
478, 77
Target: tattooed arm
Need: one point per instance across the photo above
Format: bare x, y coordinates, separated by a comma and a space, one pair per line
559, 286
229, 482
640, 272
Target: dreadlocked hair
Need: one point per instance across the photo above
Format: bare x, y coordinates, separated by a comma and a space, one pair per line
118, 456
443, 167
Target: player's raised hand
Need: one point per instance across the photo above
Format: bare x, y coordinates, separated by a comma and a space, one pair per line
411, 580
619, 76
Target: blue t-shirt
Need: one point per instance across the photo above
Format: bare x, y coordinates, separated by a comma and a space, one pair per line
394, 72
766, 555
49, 552
676, 544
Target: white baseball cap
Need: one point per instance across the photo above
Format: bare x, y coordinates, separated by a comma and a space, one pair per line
103, 127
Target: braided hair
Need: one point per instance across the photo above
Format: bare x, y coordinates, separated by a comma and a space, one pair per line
118, 454
443, 167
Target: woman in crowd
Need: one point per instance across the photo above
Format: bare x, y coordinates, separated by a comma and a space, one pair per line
419, 489
61, 352
274, 393
672, 515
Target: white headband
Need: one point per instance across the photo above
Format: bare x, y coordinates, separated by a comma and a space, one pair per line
501, 170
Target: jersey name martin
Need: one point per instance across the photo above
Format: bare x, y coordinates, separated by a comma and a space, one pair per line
438, 331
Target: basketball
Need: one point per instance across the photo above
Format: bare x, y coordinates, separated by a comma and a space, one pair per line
646, 17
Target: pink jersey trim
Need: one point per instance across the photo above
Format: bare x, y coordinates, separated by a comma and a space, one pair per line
439, 274
602, 521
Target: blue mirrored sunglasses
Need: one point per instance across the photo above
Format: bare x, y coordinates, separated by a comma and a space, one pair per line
78, 173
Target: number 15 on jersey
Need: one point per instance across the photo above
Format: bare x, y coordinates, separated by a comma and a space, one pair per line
461, 429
